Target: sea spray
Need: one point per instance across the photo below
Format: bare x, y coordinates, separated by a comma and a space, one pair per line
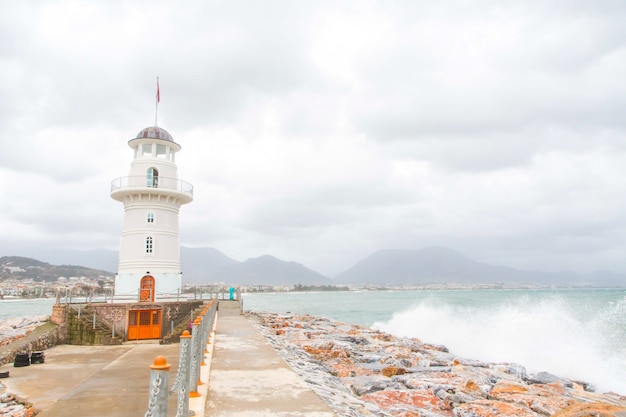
574, 341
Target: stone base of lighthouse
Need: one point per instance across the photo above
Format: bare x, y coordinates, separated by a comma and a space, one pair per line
162, 285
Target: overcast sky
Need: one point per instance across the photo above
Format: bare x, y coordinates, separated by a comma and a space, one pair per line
322, 131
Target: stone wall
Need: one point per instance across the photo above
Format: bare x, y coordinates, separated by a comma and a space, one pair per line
81, 331
37, 343
108, 316
111, 315
59, 317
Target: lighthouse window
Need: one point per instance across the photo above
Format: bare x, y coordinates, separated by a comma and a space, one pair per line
149, 244
161, 151
152, 178
150, 218
146, 149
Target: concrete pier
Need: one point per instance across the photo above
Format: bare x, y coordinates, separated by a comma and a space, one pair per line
93, 381
248, 378
244, 376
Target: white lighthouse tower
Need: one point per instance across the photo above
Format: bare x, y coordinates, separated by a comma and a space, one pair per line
149, 254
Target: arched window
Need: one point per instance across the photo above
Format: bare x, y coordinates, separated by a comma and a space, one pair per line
149, 244
150, 217
152, 177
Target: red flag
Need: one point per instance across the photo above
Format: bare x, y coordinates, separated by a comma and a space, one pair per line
158, 92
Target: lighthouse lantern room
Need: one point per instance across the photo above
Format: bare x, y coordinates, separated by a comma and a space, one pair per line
149, 252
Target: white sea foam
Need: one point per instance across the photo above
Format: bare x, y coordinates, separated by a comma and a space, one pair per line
571, 341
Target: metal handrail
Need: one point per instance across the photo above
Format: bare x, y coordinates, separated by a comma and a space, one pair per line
142, 181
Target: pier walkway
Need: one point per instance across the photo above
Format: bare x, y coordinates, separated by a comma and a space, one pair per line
248, 378
245, 375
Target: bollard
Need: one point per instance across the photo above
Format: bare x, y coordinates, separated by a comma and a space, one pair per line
209, 321
203, 339
194, 374
159, 381
182, 378
201, 343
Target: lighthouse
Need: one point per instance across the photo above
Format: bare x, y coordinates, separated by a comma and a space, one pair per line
149, 252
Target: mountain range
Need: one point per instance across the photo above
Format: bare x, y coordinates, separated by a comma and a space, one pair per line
432, 265
17, 267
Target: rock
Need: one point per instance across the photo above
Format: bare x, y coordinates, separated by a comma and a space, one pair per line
439, 348
471, 362
344, 370
390, 371
512, 369
592, 409
548, 378
16, 328
504, 388
14, 406
586, 386
490, 408
403, 400
368, 384
364, 372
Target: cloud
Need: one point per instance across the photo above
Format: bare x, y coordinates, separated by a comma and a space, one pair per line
322, 132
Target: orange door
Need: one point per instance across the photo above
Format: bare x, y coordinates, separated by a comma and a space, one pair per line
144, 324
146, 291
155, 324
133, 327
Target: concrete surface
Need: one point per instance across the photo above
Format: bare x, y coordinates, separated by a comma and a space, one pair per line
243, 376
91, 380
248, 378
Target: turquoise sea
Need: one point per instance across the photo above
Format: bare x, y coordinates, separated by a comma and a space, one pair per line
575, 334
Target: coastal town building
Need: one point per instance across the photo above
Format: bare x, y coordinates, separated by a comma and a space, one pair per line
152, 194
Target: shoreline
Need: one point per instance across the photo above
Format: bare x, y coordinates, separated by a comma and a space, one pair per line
359, 371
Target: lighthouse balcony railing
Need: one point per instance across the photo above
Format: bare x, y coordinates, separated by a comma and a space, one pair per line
163, 183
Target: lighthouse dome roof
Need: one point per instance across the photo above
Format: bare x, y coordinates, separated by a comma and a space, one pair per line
154, 132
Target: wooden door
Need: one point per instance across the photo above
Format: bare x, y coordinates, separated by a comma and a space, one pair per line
144, 324
146, 289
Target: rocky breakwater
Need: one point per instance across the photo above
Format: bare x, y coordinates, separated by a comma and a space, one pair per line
364, 372
14, 337
14, 329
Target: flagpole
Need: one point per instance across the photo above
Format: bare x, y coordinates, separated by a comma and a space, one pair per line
156, 104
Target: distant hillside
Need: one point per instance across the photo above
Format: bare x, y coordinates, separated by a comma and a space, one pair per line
429, 265
203, 265
207, 265
17, 267
101, 259
444, 265
385, 267
269, 270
